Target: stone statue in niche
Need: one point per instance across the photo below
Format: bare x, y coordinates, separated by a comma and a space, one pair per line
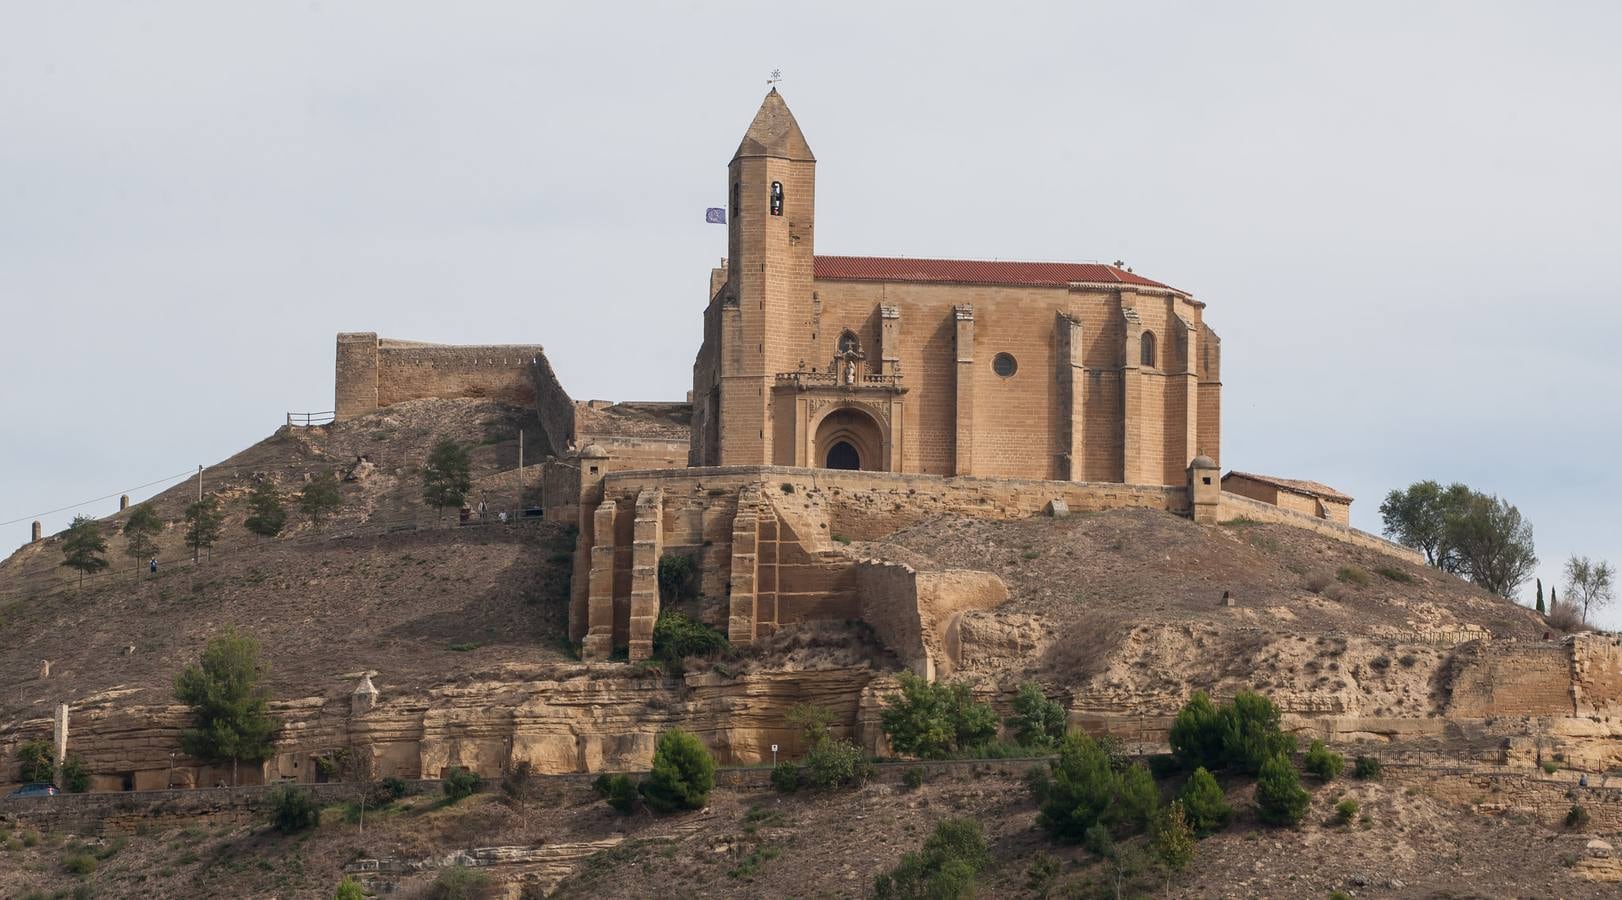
850, 371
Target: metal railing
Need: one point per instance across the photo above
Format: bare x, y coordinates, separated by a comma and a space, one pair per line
310, 419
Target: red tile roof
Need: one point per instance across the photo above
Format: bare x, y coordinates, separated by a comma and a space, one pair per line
974, 271
1294, 485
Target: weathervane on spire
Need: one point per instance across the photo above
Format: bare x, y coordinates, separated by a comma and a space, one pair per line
777, 76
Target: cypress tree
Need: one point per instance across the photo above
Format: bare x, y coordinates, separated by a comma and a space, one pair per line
1540, 596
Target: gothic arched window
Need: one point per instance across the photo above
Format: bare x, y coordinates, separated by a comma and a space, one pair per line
1147, 345
777, 198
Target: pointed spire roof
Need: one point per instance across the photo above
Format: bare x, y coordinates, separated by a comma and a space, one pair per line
775, 133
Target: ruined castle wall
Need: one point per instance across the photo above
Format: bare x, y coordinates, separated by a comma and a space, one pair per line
553, 404
373, 372
1235, 506
1597, 670
1502, 679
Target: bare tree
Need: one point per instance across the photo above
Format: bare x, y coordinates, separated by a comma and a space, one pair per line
1590, 583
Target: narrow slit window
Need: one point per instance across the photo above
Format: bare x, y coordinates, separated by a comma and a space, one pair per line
777, 198
737, 192
1147, 344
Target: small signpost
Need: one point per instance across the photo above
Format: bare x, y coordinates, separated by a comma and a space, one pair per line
774, 756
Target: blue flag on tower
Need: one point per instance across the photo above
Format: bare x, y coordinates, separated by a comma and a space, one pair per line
715, 216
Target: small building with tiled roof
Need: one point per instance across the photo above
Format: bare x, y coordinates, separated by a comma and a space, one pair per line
1075, 371
1308, 497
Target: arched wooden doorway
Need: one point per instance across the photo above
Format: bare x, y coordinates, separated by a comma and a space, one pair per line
849, 438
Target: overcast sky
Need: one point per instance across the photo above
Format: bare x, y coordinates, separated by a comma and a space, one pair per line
1405, 218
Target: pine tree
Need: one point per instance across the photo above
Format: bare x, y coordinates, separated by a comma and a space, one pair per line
1540, 597
1280, 799
267, 515
230, 718
320, 496
83, 546
1173, 839
446, 479
203, 525
140, 534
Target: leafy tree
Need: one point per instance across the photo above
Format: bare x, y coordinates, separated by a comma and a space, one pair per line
447, 477
1196, 733
1493, 544
203, 520
1280, 799
320, 496
1204, 804
35, 762
228, 706
828, 762
1417, 517
1080, 791
266, 515
1037, 722
1591, 583
944, 869
936, 720
141, 531
1324, 762
1541, 609
83, 546
293, 810
683, 773
1250, 732
678, 574
75, 775
1173, 837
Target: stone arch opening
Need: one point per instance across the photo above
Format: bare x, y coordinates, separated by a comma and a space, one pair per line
849, 438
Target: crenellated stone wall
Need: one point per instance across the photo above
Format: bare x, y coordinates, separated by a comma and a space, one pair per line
374, 372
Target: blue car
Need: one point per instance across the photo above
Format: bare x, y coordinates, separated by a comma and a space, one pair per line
40, 789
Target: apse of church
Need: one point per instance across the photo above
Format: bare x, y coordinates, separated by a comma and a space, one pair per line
1067, 371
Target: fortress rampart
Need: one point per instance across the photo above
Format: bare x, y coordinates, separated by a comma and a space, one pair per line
374, 372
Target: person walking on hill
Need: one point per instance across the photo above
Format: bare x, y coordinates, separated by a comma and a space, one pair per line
153, 566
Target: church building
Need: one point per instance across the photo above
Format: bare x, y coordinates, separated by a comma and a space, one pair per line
1059, 371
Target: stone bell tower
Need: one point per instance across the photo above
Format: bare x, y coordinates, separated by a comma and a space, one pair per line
766, 322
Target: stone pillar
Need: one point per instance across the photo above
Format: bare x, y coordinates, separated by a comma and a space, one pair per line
1132, 449
364, 698
1188, 339
599, 639
123, 502
745, 554
37, 529
964, 420
1072, 378
59, 734
889, 339
647, 545
1204, 490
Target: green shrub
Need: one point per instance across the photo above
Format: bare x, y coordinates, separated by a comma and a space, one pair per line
460, 784
1577, 816
834, 763
677, 636
35, 763
349, 889
1251, 733
1352, 575
936, 720
1037, 722
1393, 573
1280, 799
1323, 762
1346, 811
75, 776
1080, 790
459, 883
1550, 767
618, 790
1339, 895
394, 788
677, 576
79, 862
1204, 803
683, 773
1366, 768
913, 778
944, 869
293, 810
786, 777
